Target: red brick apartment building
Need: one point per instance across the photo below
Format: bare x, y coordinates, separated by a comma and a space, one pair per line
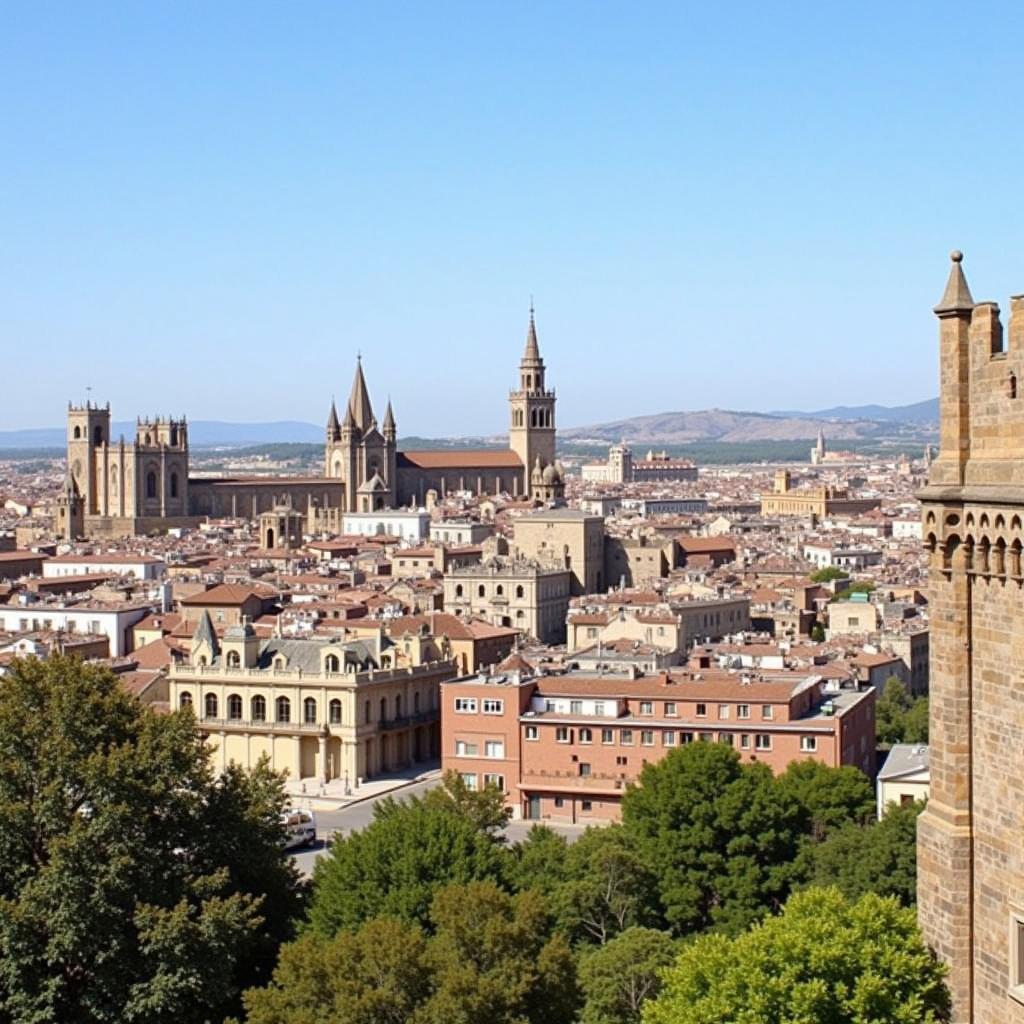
564, 746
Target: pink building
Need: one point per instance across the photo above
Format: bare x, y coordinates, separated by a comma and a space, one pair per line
564, 747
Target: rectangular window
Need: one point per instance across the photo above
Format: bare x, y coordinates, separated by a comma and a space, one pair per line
607, 736
559, 801
670, 709
726, 738
575, 707
647, 737
723, 710
465, 705
550, 706
585, 805
492, 706
498, 781
464, 749
531, 732
706, 737
469, 778
626, 737
598, 707
668, 738
646, 707
494, 748
745, 741
762, 741
767, 712
702, 710
686, 737
742, 710
1017, 955
809, 743
584, 768
562, 735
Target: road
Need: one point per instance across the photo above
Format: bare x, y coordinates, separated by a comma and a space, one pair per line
357, 816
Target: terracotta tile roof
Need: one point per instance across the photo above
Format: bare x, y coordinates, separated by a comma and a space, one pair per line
465, 458
228, 594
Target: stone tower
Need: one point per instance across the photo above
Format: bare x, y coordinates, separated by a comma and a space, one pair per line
70, 521
160, 455
88, 435
531, 432
970, 853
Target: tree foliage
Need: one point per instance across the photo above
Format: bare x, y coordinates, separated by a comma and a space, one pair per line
619, 977
831, 797
395, 866
135, 884
491, 957
828, 574
823, 959
900, 718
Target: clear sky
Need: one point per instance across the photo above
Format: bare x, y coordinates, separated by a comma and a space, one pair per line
209, 208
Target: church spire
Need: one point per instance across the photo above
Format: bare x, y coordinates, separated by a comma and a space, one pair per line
957, 296
333, 425
359, 400
389, 423
532, 352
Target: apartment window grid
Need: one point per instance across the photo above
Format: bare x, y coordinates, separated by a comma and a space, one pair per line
809, 744
742, 710
626, 737
607, 736
465, 705
702, 711
493, 706
531, 732
762, 741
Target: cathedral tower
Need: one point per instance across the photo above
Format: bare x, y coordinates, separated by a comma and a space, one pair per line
88, 436
531, 432
969, 854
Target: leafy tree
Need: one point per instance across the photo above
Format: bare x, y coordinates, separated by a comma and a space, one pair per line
719, 836
828, 574
607, 886
376, 975
831, 797
491, 958
540, 860
485, 808
818, 633
915, 722
619, 977
900, 718
822, 959
395, 866
135, 884
880, 858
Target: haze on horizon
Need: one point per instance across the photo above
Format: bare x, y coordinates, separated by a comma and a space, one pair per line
210, 210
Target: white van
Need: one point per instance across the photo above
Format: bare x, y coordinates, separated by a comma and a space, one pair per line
300, 828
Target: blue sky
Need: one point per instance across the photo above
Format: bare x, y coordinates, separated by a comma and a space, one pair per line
209, 208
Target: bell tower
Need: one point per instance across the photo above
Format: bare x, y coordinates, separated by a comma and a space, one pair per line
531, 433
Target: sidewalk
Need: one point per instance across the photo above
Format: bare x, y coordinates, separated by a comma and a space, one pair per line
313, 795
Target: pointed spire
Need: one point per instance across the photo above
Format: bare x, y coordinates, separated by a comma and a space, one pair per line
532, 352
333, 426
348, 423
389, 420
957, 296
359, 399
205, 634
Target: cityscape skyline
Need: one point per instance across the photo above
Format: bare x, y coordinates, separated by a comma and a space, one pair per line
227, 231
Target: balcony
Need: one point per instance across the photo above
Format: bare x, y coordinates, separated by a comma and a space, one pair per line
561, 781
250, 725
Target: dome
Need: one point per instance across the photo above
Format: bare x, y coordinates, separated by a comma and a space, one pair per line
550, 475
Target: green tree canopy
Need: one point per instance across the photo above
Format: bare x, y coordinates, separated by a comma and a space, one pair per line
491, 957
822, 959
829, 573
396, 865
880, 857
135, 884
540, 860
619, 977
721, 837
900, 718
831, 797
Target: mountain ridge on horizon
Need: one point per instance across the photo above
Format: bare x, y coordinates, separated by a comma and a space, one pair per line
724, 425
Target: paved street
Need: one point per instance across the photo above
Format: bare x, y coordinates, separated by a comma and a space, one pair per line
357, 816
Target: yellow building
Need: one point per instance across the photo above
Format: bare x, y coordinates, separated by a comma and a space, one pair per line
817, 501
318, 708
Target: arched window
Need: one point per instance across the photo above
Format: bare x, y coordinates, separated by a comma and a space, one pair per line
520, 591
499, 590
366, 712
309, 711
174, 485
331, 663
78, 433
259, 709
480, 591
520, 614
458, 590
283, 709
335, 712
235, 708
185, 700
151, 484
234, 660
383, 709
398, 706
210, 705
97, 435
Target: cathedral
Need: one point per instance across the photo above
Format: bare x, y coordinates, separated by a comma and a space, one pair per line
118, 488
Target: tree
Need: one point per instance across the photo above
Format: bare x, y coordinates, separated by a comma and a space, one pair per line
818, 633
879, 858
822, 959
491, 957
831, 797
396, 865
619, 977
485, 808
606, 888
376, 975
540, 860
828, 574
719, 836
135, 884
900, 718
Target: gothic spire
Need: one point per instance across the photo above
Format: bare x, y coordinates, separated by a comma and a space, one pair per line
205, 634
957, 296
333, 426
359, 400
389, 420
532, 352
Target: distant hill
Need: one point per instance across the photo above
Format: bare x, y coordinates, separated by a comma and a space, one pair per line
919, 412
201, 433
